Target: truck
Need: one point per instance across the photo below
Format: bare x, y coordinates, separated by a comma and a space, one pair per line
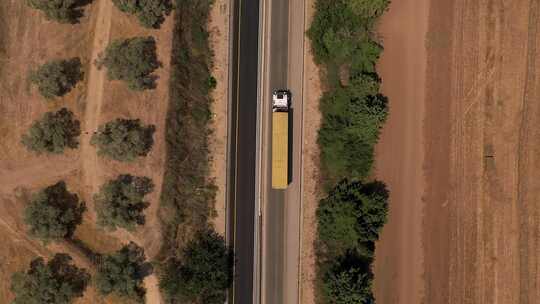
280, 138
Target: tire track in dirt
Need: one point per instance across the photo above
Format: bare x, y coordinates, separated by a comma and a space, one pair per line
455, 155
494, 193
466, 220
30, 175
523, 161
94, 99
457, 158
22, 238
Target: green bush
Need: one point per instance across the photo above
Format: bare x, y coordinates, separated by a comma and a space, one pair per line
124, 139
123, 272
370, 9
63, 11
211, 83
203, 274
54, 213
151, 13
352, 119
335, 31
133, 61
340, 30
56, 78
353, 213
53, 133
57, 281
348, 285
120, 203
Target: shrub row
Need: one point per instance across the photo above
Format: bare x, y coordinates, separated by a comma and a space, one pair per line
355, 209
188, 194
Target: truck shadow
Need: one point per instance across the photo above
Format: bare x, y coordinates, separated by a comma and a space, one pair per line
290, 146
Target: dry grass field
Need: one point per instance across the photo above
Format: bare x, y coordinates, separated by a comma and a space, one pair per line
481, 215
489, 203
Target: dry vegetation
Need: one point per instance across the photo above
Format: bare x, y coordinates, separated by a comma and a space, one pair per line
482, 185
480, 205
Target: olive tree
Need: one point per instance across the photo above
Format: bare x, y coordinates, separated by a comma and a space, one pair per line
123, 139
53, 133
54, 213
58, 281
120, 202
63, 11
131, 60
56, 78
151, 13
122, 273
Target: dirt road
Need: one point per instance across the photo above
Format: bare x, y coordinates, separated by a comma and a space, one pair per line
219, 42
481, 221
310, 170
399, 256
94, 98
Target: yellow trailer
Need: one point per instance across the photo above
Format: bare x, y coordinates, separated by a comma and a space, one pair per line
280, 149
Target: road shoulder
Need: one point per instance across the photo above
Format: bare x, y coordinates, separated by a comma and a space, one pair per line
310, 152
218, 27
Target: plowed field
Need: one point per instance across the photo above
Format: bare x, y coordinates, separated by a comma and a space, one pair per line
479, 212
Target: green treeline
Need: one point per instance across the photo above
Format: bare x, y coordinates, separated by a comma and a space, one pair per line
355, 208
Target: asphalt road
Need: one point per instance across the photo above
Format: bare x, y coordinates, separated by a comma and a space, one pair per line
242, 183
283, 60
277, 15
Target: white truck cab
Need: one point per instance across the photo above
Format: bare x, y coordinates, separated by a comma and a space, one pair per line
281, 100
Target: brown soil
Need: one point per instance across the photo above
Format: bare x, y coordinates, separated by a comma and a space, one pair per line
219, 43
480, 226
94, 98
31, 40
310, 151
399, 257
491, 206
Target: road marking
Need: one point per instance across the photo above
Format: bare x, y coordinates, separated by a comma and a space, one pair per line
265, 37
301, 186
261, 110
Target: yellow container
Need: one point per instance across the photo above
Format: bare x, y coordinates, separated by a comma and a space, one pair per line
280, 149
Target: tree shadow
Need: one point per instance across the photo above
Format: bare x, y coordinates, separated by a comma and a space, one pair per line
79, 245
78, 10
